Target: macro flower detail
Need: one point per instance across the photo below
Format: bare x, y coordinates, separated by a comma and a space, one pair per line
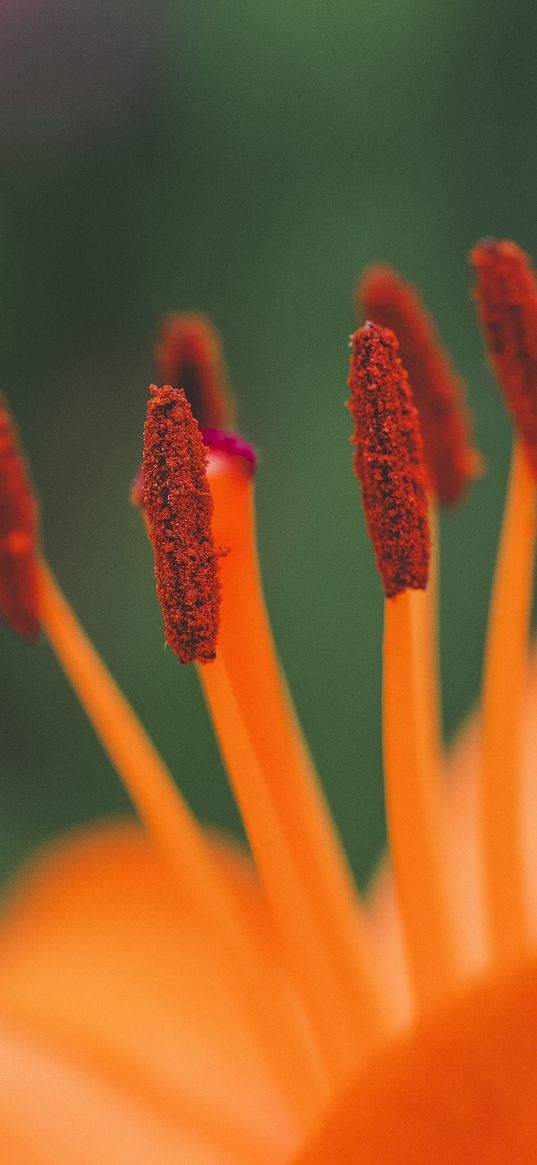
165, 997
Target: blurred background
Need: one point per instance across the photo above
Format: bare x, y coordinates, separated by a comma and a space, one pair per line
247, 159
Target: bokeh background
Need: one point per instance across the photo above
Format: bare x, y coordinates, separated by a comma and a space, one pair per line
245, 158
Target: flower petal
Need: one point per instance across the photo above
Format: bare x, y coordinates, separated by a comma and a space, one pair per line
95, 947
460, 1087
53, 1108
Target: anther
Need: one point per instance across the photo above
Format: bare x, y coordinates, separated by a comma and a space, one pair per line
188, 355
439, 393
506, 295
178, 507
19, 590
389, 460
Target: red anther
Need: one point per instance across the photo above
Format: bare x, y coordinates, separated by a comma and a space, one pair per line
188, 355
389, 460
19, 591
438, 391
178, 507
506, 295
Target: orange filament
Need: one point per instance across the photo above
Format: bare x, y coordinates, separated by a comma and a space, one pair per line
178, 838
19, 598
297, 852
389, 460
452, 459
428, 614
178, 508
413, 799
504, 685
188, 355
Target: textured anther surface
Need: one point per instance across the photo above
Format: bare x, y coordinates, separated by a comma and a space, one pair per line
178, 507
389, 460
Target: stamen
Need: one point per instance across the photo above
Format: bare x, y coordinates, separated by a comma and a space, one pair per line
439, 393
303, 870
188, 355
247, 646
19, 592
297, 854
444, 425
182, 845
178, 507
389, 460
506, 295
389, 464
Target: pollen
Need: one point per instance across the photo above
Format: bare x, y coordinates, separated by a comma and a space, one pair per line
389, 460
506, 295
19, 592
178, 507
451, 456
189, 355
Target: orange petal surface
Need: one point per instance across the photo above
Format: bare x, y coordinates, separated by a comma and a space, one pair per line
100, 962
459, 1088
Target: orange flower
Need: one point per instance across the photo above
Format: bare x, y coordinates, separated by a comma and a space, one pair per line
165, 999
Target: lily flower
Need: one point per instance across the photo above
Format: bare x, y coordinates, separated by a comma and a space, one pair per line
166, 998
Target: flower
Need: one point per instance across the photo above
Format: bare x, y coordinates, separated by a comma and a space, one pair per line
163, 999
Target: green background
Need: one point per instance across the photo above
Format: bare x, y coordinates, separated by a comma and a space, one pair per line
246, 159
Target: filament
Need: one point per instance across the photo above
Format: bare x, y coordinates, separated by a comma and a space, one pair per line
428, 613
504, 684
414, 798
